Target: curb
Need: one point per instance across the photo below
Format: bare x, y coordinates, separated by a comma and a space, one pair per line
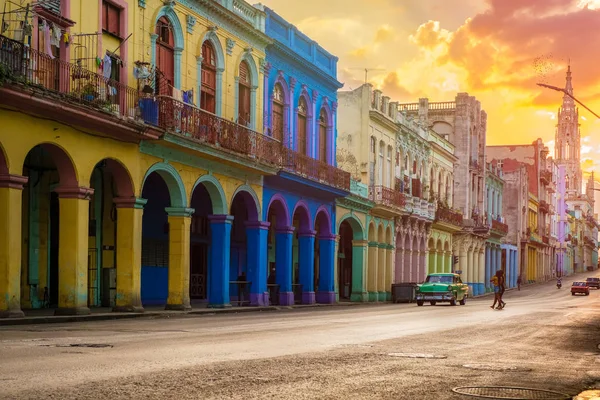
51, 319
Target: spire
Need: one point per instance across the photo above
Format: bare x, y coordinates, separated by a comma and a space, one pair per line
568, 102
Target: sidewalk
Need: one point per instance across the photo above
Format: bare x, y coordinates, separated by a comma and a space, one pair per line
46, 316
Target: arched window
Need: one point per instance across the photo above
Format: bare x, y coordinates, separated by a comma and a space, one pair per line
278, 106
244, 94
302, 126
165, 59
323, 136
209, 78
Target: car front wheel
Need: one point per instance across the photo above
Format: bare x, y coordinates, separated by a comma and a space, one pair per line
453, 302
432, 303
463, 301
419, 303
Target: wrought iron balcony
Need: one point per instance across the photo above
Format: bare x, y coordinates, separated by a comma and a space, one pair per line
314, 169
189, 121
447, 215
499, 226
386, 196
65, 81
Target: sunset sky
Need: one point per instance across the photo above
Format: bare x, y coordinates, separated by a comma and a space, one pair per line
496, 50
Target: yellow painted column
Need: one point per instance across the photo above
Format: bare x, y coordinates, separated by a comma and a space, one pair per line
389, 273
372, 268
73, 206
179, 258
11, 188
381, 272
129, 254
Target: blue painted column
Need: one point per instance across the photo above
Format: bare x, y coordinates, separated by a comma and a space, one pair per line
326, 293
306, 255
488, 268
498, 259
218, 270
515, 268
283, 264
257, 232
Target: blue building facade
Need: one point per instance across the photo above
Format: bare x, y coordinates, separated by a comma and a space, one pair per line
299, 202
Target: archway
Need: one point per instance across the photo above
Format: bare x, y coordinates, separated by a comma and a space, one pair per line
431, 262
244, 209
54, 263
207, 199
280, 275
304, 272
166, 199
324, 257
351, 260
113, 188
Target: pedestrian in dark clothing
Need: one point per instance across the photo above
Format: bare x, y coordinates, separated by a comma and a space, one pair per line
519, 283
502, 284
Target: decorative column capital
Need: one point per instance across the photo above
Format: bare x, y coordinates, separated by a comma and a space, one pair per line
142, 3
179, 211
13, 181
360, 243
220, 219
264, 225
315, 95
191, 22
153, 37
130, 202
82, 193
293, 82
307, 233
230, 44
285, 229
199, 60
329, 236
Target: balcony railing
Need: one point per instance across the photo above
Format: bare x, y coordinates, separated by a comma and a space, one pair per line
445, 214
22, 64
315, 169
499, 226
189, 121
387, 196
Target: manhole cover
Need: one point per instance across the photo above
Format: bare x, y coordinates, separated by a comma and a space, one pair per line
495, 367
417, 355
512, 393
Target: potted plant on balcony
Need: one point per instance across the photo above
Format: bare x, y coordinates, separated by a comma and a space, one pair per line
88, 92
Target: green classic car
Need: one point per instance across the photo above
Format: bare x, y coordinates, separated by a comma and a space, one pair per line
442, 288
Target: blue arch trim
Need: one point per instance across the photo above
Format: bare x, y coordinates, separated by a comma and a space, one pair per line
173, 181
252, 193
216, 192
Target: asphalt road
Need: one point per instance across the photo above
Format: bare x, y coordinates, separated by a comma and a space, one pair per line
544, 338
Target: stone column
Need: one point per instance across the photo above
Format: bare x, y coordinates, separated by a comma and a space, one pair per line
432, 262
306, 256
359, 273
73, 206
11, 200
381, 272
326, 293
372, 271
481, 271
488, 267
470, 270
439, 266
179, 258
257, 233
283, 264
389, 279
463, 262
129, 254
220, 252
398, 266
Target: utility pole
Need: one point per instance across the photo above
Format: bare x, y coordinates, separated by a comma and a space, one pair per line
570, 95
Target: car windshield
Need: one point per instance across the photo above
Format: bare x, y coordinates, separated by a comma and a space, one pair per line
578, 283
439, 279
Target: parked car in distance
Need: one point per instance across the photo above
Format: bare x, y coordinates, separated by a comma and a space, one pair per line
593, 282
580, 288
442, 288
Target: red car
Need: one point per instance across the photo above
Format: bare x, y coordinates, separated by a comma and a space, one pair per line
580, 288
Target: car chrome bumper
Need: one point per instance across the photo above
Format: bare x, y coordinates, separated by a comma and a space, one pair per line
435, 296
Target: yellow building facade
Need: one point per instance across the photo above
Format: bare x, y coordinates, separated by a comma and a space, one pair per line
110, 171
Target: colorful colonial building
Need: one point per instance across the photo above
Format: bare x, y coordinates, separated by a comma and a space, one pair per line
299, 202
138, 179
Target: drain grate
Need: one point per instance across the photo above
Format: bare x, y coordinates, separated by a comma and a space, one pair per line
494, 367
417, 355
512, 393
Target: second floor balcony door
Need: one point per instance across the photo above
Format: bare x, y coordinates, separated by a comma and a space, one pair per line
165, 58
244, 95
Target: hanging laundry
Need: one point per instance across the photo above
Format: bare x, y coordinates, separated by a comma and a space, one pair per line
107, 66
47, 45
177, 94
56, 34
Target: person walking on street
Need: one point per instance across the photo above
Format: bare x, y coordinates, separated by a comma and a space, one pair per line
494, 282
519, 283
502, 285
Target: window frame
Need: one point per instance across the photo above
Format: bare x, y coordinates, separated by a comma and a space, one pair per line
106, 21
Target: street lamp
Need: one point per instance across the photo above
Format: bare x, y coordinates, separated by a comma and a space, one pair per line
568, 94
